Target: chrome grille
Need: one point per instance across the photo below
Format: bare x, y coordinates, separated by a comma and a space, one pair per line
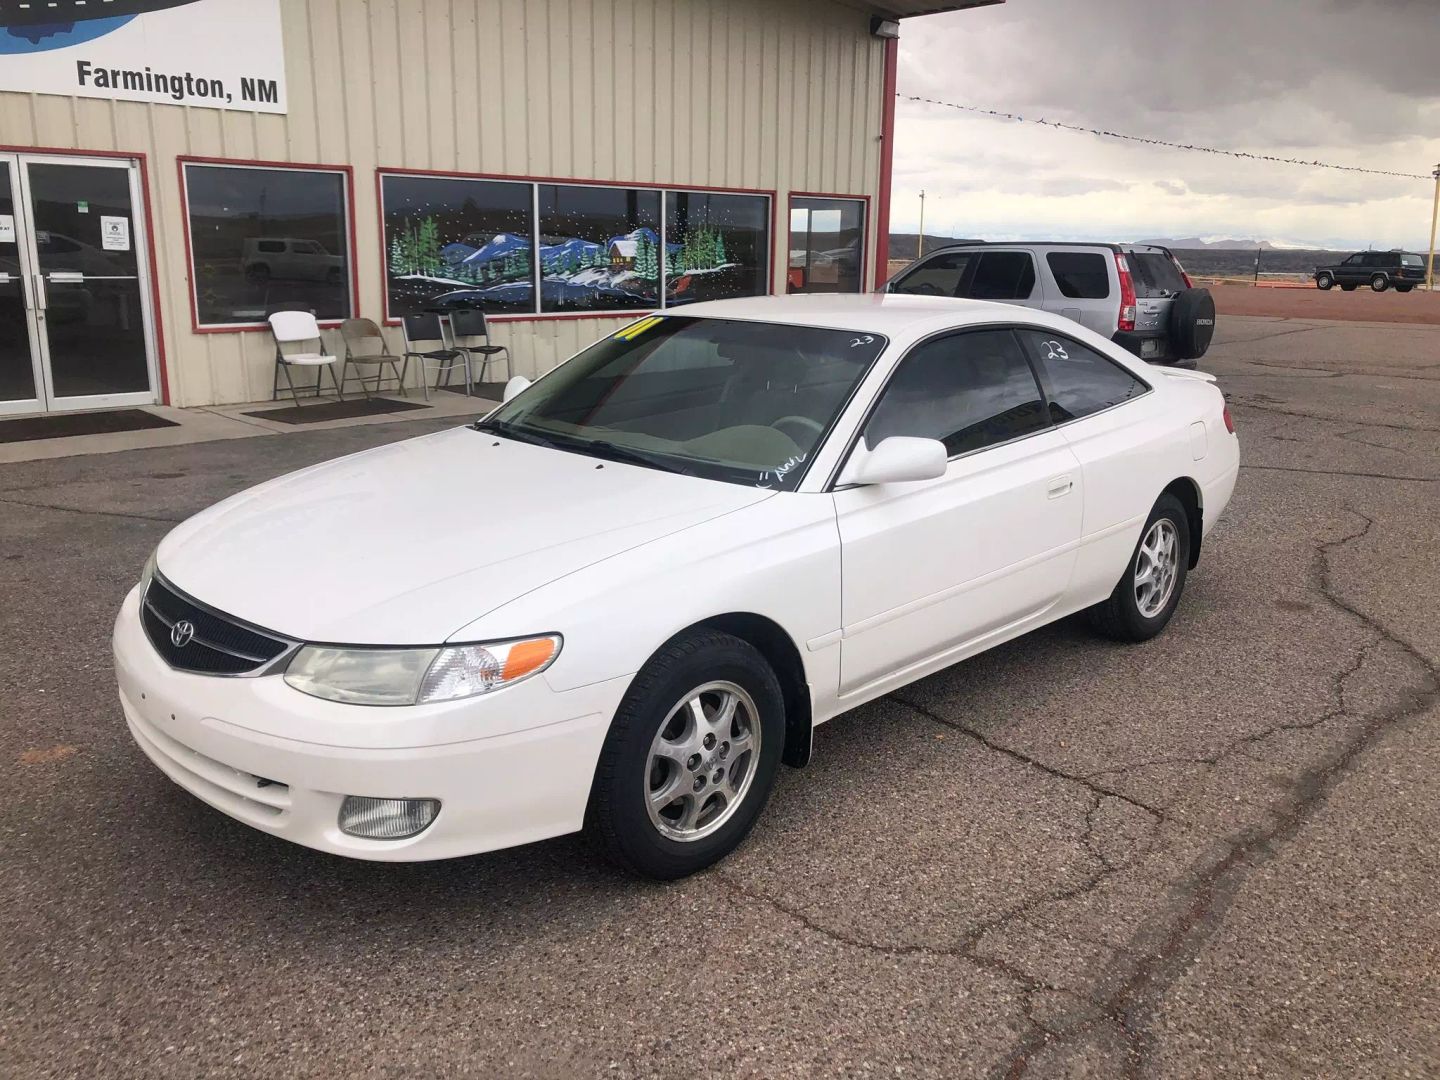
215, 645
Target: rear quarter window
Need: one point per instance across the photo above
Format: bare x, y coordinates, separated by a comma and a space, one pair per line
1081, 275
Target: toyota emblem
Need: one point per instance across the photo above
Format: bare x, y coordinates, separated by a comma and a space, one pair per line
181, 633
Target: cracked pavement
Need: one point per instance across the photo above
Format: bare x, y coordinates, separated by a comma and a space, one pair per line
1214, 854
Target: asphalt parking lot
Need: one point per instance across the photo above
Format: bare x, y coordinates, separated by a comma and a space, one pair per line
1215, 854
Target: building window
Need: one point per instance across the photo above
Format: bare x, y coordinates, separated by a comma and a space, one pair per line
827, 245
455, 242
266, 238
599, 248
487, 243
717, 246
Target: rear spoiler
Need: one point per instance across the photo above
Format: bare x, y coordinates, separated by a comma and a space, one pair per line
1185, 373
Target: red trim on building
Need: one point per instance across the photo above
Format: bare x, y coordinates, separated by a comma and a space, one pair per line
382, 171
157, 320
887, 164
245, 328
865, 247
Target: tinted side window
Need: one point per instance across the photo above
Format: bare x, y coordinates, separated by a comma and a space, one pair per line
1078, 380
271, 247
938, 275
1081, 275
1003, 275
967, 390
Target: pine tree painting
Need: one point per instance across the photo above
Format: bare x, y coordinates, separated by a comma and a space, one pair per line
647, 266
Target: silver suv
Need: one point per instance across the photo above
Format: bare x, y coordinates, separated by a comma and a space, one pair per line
1137, 295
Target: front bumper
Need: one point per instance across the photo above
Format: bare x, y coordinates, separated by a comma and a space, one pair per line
525, 775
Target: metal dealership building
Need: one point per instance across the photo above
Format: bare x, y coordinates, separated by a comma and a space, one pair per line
171, 171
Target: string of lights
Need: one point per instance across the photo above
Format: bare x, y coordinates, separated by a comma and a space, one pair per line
998, 114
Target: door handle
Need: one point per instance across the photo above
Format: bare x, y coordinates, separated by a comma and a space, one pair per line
39, 292
1060, 487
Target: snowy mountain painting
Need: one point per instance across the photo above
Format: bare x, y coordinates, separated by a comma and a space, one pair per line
576, 274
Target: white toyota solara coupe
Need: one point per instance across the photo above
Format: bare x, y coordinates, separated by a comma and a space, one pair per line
621, 599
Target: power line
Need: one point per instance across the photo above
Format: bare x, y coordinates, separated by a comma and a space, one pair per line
997, 114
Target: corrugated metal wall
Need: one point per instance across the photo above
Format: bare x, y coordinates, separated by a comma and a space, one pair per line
773, 94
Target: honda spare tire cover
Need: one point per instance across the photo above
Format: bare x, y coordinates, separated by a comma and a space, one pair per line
1192, 323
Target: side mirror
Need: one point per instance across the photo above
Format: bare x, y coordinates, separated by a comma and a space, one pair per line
900, 459
516, 386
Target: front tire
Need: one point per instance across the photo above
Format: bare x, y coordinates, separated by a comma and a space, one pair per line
1324, 281
1379, 283
1149, 591
690, 758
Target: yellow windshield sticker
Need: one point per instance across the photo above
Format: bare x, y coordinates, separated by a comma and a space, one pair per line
634, 330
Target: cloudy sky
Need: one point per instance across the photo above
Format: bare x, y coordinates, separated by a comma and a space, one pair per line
1355, 82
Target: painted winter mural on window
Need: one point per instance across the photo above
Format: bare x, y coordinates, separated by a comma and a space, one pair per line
599, 248
717, 246
457, 243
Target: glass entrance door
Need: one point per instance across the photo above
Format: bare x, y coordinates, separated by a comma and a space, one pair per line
74, 292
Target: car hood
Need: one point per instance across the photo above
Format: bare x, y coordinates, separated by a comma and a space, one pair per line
407, 543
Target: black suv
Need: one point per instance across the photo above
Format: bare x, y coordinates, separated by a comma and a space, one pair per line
1378, 269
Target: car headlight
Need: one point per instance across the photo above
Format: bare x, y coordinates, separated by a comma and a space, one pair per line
147, 573
418, 676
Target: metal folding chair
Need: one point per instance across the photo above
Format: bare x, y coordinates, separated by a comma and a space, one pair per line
365, 345
421, 330
467, 327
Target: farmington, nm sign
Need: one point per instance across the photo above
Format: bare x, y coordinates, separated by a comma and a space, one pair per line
220, 54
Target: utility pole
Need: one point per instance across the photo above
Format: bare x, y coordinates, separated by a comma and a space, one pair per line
1434, 217
920, 241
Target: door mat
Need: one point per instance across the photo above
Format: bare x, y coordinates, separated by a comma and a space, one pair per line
490, 391
336, 410
67, 425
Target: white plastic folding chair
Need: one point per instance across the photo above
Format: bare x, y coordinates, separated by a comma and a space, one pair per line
299, 329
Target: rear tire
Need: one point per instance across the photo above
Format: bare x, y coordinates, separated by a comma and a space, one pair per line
1347, 288
1324, 281
1149, 590
660, 743
1379, 283
1403, 288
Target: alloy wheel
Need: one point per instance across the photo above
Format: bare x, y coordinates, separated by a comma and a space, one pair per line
702, 761
1157, 565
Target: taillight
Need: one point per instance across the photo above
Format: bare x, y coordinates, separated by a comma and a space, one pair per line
1183, 275
1127, 293
1229, 423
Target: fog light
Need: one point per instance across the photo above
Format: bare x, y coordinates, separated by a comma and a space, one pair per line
386, 819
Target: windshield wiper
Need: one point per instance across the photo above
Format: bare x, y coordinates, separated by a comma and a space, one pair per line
611, 452
519, 434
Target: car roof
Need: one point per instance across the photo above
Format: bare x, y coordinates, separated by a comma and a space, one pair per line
890, 314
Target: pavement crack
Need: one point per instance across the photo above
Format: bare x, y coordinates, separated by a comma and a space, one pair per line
92, 513
1248, 403
1344, 472
1212, 890
1026, 759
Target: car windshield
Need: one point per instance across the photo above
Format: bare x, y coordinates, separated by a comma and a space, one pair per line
744, 402
1412, 260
